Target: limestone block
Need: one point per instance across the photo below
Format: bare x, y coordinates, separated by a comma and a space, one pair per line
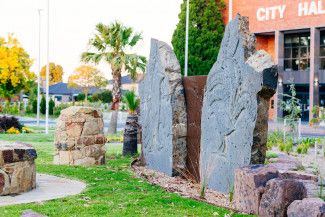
163, 112
230, 106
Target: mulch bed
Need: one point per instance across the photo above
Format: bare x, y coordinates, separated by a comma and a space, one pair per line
183, 187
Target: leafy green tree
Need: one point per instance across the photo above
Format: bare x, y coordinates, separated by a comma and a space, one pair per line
206, 28
51, 106
81, 97
34, 106
106, 96
111, 44
43, 105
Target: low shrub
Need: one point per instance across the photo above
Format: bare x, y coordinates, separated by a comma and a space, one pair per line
57, 109
7, 123
308, 141
274, 139
286, 146
80, 97
303, 148
270, 154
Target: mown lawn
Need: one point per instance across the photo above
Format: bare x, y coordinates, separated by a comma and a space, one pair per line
112, 189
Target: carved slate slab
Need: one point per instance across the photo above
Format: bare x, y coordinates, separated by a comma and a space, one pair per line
163, 112
230, 106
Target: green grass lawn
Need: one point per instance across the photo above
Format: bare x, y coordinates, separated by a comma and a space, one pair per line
112, 189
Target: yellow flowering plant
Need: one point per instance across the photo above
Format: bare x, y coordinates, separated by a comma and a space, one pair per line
13, 130
26, 130
15, 74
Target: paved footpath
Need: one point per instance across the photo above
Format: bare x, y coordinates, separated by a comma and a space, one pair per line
47, 188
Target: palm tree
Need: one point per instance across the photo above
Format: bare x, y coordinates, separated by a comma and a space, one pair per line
130, 144
109, 44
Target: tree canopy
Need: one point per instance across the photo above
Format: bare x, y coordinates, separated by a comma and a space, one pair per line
86, 77
56, 73
206, 28
111, 44
15, 73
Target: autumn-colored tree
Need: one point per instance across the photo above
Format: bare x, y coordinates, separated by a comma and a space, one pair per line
86, 77
15, 74
56, 73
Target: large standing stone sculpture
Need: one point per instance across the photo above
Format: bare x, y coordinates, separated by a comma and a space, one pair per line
163, 112
230, 106
79, 137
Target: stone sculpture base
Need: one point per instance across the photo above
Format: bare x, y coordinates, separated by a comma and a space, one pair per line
17, 168
79, 137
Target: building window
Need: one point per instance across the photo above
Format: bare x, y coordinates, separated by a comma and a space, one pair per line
322, 50
58, 98
296, 52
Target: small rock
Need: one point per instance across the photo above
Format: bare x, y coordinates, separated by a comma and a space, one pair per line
31, 213
286, 163
311, 207
249, 185
279, 194
298, 175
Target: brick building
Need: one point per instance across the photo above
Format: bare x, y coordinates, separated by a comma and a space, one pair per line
293, 32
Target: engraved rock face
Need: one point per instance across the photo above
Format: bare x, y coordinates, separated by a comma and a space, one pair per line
230, 106
163, 112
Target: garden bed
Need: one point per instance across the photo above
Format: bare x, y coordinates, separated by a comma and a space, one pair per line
183, 187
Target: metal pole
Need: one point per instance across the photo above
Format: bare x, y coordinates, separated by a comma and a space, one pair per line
39, 67
186, 37
230, 10
47, 68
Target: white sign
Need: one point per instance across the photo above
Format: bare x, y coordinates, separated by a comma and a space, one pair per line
309, 8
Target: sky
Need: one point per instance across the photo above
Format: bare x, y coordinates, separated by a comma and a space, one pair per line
72, 24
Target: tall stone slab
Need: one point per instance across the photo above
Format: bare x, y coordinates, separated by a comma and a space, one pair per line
270, 82
163, 112
194, 91
230, 106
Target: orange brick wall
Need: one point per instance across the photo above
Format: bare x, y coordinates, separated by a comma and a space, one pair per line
290, 21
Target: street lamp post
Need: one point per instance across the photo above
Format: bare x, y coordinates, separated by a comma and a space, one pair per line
186, 37
47, 68
39, 66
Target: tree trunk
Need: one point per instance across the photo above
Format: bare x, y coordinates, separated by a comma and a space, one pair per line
130, 144
116, 101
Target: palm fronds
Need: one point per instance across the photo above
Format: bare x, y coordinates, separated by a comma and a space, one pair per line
132, 101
